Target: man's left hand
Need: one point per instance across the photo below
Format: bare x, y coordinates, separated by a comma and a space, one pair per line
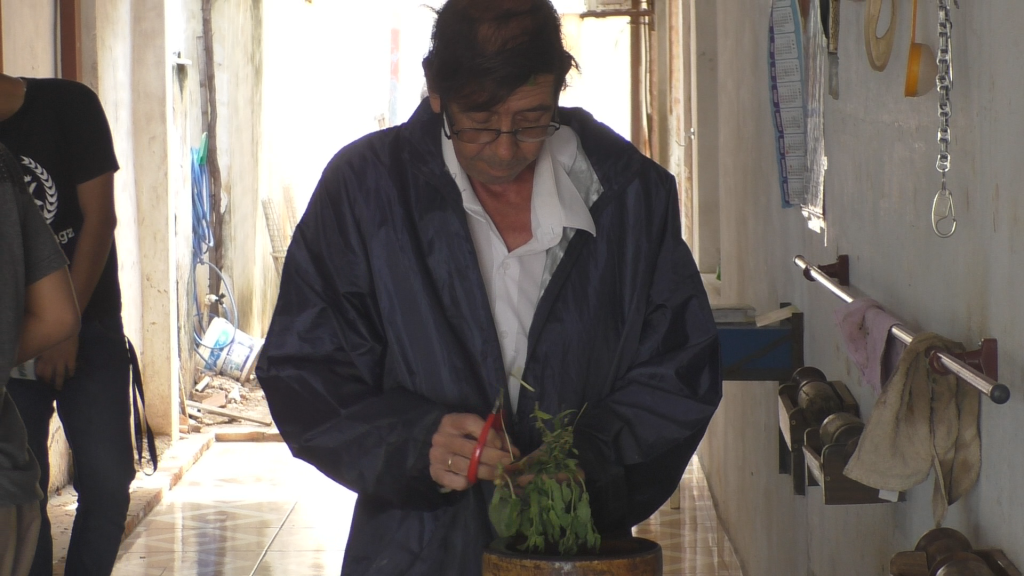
57, 365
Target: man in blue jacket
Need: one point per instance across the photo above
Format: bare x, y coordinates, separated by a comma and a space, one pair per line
493, 239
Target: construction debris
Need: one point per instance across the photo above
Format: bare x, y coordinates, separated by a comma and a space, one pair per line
235, 396
203, 384
220, 412
219, 400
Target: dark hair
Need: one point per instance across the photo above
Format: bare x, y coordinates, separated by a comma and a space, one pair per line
484, 50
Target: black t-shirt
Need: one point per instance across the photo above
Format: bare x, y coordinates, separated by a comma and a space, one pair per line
61, 137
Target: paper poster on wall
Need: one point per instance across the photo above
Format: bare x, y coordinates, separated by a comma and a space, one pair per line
816, 59
798, 64
785, 65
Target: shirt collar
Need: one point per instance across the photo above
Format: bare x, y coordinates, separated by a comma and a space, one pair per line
557, 203
563, 148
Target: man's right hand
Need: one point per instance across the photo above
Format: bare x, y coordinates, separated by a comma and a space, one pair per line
453, 445
57, 365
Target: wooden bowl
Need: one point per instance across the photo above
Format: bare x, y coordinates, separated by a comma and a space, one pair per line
617, 557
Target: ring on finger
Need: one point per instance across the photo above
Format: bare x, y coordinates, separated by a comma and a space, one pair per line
450, 463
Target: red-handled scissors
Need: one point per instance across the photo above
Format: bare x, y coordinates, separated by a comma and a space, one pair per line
494, 421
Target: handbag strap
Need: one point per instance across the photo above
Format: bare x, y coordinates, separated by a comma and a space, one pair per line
139, 411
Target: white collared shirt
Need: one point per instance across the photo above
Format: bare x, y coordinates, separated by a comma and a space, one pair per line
513, 279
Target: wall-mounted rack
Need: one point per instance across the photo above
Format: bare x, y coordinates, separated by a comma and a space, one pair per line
820, 428
826, 460
979, 368
795, 420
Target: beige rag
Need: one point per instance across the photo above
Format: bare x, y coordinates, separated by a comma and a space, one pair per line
922, 421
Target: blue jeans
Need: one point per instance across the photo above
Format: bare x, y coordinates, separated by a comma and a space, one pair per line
95, 409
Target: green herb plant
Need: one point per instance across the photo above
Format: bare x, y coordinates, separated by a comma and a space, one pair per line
541, 502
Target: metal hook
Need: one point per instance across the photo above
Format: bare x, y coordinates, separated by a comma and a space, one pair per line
938, 215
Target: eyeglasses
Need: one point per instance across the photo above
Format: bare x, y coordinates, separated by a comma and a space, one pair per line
527, 134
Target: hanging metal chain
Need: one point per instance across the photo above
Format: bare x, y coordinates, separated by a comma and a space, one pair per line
942, 206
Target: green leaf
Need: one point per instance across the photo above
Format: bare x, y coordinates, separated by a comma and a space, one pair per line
583, 510
553, 517
558, 497
581, 529
504, 513
564, 519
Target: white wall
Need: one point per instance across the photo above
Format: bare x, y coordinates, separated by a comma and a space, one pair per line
327, 76
28, 36
326, 69
114, 76
879, 188
238, 58
601, 86
127, 53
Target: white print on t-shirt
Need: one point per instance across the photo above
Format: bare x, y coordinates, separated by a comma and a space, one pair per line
47, 206
66, 235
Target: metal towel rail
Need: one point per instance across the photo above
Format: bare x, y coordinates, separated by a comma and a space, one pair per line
941, 360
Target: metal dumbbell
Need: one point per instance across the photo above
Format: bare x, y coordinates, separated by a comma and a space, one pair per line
815, 395
961, 564
841, 428
949, 553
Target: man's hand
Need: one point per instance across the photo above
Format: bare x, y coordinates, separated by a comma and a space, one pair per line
453, 445
57, 365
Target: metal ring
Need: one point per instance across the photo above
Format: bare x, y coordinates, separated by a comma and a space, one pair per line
949, 213
450, 463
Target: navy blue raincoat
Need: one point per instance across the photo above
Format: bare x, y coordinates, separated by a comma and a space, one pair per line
383, 326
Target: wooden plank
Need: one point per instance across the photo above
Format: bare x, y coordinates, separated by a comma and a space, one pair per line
792, 426
799, 471
786, 424
850, 405
908, 564
998, 562
226, 413
70, 40
814, 478
825, 465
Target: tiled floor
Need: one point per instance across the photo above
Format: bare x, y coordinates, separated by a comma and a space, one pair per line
244, 509
692, 541
250, 509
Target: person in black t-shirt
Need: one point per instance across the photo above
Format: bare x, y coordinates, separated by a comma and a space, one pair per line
59, 133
